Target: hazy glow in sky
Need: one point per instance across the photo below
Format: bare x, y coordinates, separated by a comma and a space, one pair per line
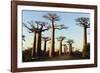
74, 31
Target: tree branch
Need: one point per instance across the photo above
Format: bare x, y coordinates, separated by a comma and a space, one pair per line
60, 28
45, 29
31, 24
27, 27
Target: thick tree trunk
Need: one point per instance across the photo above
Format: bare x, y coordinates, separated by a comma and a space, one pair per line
39, 45
36, 49
64, 50
70, 49
51, 54
60, 50
44, 47
34, 45
85, 42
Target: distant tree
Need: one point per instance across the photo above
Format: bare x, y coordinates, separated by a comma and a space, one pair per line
65, 49
70, 42
60, 39
53, 18
85, 23
45, 42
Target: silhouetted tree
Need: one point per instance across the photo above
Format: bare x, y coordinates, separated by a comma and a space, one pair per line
85, 23
60, 39
45, 42
88, 51
70, 42
40, 30
53, 18
36, 50
65, 49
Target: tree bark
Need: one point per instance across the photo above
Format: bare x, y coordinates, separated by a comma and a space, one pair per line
34, 45
44, 47
39, 44
70, 49
65, 50
60, 50
51, 54
85, 42
36, 49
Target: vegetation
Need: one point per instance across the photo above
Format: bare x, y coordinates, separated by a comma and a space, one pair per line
65, 51
60, 39
45, 43
84, 22
53, 18
70, 42
36, 50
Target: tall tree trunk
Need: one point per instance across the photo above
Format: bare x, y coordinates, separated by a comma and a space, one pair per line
64, 50
39, 44
51, 54
44, 47
85, 42
60, 50
70, 49
34, 45
37, 41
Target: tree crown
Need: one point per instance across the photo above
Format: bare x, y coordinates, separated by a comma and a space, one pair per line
83, 21
61, 38
52, 17
46, 38
70, 41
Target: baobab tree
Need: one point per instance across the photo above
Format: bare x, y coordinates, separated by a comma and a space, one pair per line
70, 42
36, 50
60, 39
41, 29
85, 23
53, 18
32, 29
65, 49
45, 43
